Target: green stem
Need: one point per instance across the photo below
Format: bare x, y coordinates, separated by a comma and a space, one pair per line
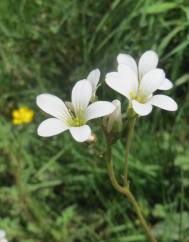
17, 171
181, 207
128, 194
127, 148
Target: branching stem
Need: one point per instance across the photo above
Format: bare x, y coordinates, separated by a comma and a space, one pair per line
126, 191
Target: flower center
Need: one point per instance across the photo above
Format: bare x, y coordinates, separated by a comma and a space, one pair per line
76, 122
138, 97
76, 119
141, 99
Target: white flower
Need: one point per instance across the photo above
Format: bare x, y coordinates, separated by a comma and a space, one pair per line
93, 79
75, 118
3, 236
138, 83
147, 62
114, 120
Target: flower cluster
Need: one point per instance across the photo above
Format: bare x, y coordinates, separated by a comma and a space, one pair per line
74, 115
139, 82
136, 82
22, 115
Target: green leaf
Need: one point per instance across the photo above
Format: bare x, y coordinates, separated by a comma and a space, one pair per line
182, 80
171, 35
182, 161
161, 8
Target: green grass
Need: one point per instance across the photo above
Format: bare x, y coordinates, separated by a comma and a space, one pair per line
56, 190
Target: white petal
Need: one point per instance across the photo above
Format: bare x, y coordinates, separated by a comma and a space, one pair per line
53, 106
81, 134
166, 85
141, 108
2, 234
116, 82
130, 76
127, 60
151, 81
117, 104
99, 109
115, 117
69, 106
93, 78
123, 82
50, 127
116, 114
164, 102
81, 95
147, 62
3, 240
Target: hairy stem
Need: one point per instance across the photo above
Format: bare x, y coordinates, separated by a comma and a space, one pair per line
17, 170
128, 194
127, 148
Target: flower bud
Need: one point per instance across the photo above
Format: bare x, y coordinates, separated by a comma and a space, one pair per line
113, 122
93, 79
92, 138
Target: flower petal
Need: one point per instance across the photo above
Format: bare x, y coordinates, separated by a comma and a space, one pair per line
151, 81
2, 234
164, 102
99, 109
115, 117
51, 127
93, 78
4, 240
81, 134
124, 81
131, 77
142, 109
69, 106
81, 95
166, 85
53, 106
147, 62
128, 61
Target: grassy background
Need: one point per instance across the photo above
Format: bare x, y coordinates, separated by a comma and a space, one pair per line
56, 190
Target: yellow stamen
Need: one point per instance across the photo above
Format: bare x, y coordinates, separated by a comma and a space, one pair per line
77, 122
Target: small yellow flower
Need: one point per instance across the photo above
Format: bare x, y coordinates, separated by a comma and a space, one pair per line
22, 115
